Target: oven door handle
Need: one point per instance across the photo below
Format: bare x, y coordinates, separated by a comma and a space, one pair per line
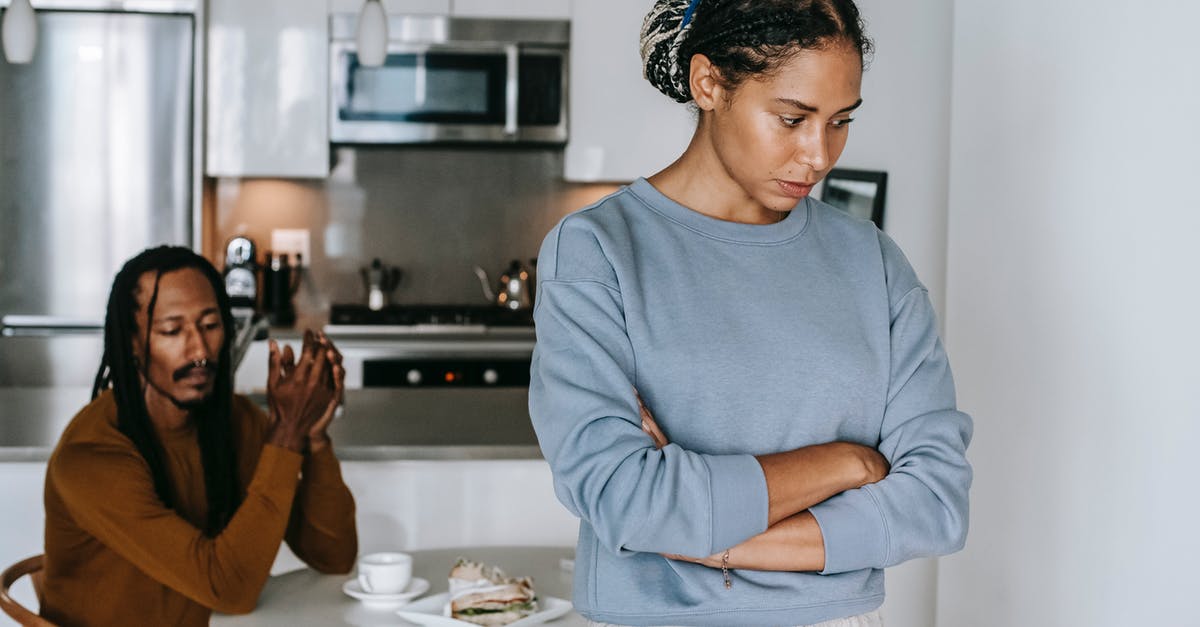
513, 54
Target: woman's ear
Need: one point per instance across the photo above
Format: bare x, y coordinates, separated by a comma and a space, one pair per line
705, 80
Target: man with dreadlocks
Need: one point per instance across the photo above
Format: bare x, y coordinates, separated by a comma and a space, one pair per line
167, 496
787, 348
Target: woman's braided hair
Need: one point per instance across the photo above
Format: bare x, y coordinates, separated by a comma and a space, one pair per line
742, 38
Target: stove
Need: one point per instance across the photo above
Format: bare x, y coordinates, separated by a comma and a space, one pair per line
433, 346
428, 319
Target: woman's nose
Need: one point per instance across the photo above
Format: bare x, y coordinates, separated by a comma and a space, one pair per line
812, 150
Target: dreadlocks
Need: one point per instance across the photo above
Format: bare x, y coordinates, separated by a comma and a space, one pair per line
742, 38
119, 369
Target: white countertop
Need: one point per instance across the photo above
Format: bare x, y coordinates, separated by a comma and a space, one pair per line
305, 598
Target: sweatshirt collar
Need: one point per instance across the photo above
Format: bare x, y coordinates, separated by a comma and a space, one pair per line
792, 226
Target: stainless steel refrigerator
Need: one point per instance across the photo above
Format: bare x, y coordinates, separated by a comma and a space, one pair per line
97, 162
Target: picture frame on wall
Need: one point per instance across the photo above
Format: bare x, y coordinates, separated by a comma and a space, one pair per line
861, 193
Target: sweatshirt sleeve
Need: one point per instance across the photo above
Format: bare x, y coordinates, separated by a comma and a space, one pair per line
322, 527
921, 508
110, 494
584, 410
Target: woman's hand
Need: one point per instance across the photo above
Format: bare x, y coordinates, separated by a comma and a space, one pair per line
712, 561
648, 425
298, 394
317, 436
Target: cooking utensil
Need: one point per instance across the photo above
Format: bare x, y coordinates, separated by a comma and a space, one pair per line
380, 281
515, 288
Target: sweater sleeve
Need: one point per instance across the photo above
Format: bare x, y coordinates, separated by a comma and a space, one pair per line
921, 507
110, 494
584, 410
322, 528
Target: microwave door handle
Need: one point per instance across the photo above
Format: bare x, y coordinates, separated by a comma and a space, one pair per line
512, 52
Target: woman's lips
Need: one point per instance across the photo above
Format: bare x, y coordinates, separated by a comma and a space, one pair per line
795, 189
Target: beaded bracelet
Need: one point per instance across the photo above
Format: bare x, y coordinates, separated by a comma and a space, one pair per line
725, 569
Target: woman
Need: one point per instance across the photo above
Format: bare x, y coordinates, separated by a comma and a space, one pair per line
787, 348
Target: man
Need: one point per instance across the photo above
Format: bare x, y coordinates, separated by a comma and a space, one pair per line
167, 496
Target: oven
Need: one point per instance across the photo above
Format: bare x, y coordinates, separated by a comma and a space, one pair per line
451, 80
461, 367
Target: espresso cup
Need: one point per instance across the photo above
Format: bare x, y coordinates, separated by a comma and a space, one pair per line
384, 573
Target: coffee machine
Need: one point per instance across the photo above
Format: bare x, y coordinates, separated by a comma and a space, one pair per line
241, 274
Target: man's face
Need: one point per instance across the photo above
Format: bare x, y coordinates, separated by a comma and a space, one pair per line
185, 337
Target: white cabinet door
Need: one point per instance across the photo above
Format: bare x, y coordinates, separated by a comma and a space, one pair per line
621, 127
513, 9
22, 522
268, 79
406, 7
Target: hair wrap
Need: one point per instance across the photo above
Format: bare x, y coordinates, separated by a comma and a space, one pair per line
691, 10
663, 32
742, 38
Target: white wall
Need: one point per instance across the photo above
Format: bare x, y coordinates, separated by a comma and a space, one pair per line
903, 128
1074, 296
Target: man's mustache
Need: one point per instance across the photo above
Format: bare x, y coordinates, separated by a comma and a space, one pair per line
210, 369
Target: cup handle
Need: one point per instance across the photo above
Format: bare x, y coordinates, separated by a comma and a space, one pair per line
365, 584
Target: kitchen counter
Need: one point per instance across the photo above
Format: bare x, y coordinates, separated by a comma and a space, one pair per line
377, 424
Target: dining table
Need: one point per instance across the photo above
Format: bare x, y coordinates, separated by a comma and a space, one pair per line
306, 598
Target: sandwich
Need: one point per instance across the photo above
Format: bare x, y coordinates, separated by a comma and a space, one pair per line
484, 595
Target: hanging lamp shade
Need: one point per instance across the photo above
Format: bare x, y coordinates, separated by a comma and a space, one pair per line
372, 34
19, 32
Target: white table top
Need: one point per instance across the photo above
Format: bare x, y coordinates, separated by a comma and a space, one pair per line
304, 597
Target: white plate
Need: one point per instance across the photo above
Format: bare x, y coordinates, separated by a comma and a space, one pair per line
416, 588
429, 612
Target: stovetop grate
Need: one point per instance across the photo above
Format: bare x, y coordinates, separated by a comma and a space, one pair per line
440, 315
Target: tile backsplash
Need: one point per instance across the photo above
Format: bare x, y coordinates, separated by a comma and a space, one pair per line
434, 212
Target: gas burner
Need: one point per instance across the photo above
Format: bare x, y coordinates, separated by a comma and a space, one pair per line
450, 317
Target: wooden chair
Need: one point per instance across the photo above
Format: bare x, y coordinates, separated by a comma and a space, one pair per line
31, 566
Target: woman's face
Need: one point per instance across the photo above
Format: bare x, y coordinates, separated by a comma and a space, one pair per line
779, 134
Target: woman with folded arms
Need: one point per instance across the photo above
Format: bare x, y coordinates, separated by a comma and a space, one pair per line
786, 348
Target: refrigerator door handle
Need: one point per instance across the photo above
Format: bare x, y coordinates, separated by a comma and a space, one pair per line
21, 325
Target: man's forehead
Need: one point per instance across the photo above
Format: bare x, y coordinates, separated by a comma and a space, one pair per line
180, 292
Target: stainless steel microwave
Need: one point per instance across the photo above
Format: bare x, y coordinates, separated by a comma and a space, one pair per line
451, 80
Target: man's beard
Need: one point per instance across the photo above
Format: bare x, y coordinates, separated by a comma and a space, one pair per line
188, 406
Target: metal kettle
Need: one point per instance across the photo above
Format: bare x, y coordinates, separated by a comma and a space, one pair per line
515, 288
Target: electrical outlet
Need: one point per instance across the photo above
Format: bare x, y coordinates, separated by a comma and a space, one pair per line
292, 242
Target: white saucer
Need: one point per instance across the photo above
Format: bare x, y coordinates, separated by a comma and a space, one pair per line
416, 588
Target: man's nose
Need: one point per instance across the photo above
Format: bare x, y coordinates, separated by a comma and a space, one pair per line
195, 345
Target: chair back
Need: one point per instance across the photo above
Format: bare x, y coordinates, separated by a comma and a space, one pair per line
31, 566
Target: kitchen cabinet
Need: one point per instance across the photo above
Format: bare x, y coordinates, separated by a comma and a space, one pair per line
268, 78
621, 127
408, 7
504, 9
22, 522
513, 9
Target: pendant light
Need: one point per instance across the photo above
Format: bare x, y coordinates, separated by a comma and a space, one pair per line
372, 34
19, 32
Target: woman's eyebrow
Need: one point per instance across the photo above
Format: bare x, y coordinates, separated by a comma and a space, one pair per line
791, 102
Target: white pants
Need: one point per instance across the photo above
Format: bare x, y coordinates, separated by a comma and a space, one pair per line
870, 619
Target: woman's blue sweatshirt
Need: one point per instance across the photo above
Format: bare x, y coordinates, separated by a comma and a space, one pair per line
742, 340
